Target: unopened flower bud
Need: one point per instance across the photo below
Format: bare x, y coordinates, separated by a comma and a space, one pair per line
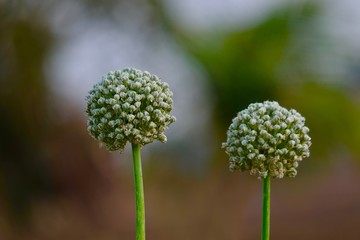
124, 97
278, 137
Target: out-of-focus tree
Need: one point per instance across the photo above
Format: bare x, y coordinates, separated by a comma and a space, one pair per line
39, 158
24, 45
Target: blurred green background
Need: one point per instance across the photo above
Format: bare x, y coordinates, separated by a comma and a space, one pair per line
218, 56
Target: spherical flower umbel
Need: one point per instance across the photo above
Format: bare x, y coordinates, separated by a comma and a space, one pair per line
129, 106
267, 139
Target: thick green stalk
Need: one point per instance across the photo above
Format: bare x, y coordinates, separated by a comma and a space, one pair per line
139, 193
265, 235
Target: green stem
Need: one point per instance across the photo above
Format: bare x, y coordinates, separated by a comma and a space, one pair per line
266, 210
139, 193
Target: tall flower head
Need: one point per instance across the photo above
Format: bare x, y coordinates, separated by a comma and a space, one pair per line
266, 138
129, 106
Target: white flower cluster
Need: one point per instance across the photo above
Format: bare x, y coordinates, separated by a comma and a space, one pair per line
129, 105
267, 139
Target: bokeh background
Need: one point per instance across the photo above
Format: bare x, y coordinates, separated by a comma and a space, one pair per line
218, 56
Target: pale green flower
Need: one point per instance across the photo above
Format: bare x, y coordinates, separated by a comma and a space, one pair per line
267, 139
129, 106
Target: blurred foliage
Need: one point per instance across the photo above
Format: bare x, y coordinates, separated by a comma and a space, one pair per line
249, 65
332, 115
24, 45
40, 158
242, 64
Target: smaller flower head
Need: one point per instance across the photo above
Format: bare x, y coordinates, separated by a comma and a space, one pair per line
129, 106
267, 139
